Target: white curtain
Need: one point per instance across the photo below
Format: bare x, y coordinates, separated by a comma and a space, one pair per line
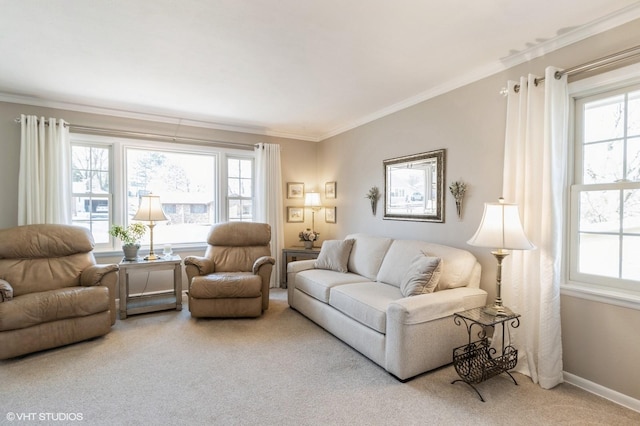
44, 188
269, 201
535, 176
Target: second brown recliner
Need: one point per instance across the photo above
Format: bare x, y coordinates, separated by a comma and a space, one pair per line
232, 278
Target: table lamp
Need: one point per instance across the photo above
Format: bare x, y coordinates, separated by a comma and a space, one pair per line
501, 230
150, 210
312, 200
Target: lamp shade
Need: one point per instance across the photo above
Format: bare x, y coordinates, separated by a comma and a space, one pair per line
500, 228
312, 199
150, 209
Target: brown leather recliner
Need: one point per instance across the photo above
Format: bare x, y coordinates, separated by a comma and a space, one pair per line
52, 292
232, 278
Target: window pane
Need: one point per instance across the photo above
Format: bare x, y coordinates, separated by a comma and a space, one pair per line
633, 127
603, 162
240, 210
598, 255
234, 187
600, 211
631, 216
246, 187
185, 182
233, 166
604, 119
630, 263
633, 159
246, 168
93, 214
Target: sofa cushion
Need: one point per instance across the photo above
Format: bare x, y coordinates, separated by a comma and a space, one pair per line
226, 285
457, 264
318, 282
37, 308
422, 276
334, 255
367, 254
365, 302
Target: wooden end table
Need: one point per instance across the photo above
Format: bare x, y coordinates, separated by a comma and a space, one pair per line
138, 304
294, 253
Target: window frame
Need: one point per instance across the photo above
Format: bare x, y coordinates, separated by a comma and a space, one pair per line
253, 185
118, 179
616, 291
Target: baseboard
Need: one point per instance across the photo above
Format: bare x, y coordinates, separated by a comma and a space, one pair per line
611, 395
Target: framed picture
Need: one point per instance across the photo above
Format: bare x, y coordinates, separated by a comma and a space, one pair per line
330, 190
295, 214
295, 190
414, 187
330, 214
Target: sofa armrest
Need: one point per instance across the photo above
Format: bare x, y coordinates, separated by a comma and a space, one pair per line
261, 261
6, 291
94, 274
300, 265
198, 265
432, 306
103, 275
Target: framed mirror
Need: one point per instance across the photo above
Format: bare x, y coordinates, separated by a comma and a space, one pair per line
414, 187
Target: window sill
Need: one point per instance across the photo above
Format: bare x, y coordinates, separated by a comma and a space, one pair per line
601, 294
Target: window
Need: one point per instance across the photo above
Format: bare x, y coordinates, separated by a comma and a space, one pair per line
91, 189
605, 195
110, 175
240, 189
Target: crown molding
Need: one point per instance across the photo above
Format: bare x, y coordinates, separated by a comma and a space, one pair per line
606, 23
150, 116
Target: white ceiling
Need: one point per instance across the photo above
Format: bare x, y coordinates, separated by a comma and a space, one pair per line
306, 69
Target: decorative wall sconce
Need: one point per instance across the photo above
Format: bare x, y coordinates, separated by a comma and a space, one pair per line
373, 195
458, 188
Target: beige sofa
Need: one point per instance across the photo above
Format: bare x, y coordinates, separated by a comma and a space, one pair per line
366, 308
52, 293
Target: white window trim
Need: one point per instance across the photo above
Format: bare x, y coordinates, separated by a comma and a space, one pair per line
612, 80
118, 148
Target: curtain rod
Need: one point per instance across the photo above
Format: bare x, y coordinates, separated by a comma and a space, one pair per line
179, 139
598, 63
605, 61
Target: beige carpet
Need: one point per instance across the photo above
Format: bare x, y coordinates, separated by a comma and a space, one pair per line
166, 368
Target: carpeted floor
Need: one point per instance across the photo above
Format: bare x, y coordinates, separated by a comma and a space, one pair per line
280, 369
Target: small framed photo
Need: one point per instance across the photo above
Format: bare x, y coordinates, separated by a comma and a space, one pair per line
295, 190
330, 190
295, 214
330, 214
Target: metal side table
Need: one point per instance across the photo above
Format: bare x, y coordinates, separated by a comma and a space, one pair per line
477, 361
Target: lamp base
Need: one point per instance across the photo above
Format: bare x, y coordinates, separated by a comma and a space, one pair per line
151, 256
497, 311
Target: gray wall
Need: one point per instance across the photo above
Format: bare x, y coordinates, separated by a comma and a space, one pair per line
469, 122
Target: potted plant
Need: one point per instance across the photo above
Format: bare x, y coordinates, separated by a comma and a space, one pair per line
130, 237
308, 236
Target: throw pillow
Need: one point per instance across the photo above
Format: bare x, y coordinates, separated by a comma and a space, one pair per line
334, 255
422, 276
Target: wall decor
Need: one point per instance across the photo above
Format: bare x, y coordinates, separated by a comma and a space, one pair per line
295, 214
458, 188
295, 190
330, 214
414, 187
330, 190
373, 195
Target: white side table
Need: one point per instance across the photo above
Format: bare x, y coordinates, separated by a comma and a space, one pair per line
138, 304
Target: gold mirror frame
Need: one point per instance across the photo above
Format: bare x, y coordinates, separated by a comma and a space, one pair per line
414, 187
